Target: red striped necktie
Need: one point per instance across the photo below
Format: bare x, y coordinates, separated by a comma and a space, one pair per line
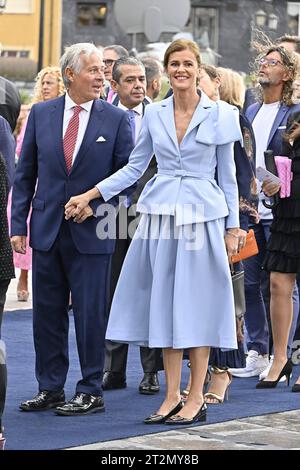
70, 137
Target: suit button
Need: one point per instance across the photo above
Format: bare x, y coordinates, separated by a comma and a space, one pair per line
62, 204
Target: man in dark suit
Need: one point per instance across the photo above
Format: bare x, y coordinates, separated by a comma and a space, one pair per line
70, 144
129, 83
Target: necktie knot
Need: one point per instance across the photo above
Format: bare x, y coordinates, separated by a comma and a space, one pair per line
76, 110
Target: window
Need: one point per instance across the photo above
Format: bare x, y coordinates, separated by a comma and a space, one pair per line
91, 14
203, 25
15, 53
293, 11
19, 6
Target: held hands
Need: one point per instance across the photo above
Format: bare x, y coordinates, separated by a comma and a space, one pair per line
78, 206
235, 239
269, 188
83, 215
18, 244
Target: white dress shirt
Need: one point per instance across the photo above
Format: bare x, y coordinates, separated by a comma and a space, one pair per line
138, 117
84, 117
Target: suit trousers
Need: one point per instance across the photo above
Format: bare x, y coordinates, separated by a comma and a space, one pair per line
56, 273
4, 283
116, 353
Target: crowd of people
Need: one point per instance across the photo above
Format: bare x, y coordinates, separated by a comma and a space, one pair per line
130, 208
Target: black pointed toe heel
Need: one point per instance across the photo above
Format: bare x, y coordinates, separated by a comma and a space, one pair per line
199, 416
286, 371
296, 388
160, 419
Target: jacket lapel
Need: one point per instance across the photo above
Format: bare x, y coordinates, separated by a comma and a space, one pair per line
201, 113
166, 114
56, 123
278, 119
252, 111
91, 133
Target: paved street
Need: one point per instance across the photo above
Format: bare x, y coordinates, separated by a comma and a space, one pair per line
275, 431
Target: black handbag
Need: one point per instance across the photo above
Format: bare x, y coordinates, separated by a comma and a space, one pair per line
238, 285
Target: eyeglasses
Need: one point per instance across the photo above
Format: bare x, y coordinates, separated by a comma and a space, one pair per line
271, 62
108, 62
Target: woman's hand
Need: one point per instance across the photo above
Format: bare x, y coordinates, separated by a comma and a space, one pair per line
76, 204
269, 188
232, 241
240, 329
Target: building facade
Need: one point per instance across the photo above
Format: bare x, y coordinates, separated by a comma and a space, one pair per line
30, 35
221, 27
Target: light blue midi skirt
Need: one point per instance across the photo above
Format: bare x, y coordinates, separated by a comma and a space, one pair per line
173, 291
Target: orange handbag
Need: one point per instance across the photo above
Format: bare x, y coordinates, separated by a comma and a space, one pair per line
250, 249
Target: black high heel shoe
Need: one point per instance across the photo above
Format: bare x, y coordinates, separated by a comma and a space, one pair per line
296, 388
286, 371
160, 419
199, 416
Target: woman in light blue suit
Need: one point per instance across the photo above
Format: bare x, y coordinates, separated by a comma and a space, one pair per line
175, 289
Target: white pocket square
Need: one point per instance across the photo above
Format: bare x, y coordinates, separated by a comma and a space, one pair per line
101, 139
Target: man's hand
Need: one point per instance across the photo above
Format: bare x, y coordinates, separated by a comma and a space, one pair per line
269, 188
18, 243
83, 215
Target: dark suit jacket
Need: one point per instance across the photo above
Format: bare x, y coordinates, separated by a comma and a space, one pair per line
42, 161
6, 258
7, 148
244, 158
275, 141
152, 168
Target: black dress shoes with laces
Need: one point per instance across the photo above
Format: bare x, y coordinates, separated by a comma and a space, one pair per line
149, 384
81, 404
160, 419
113, 380
44, 400
199, 416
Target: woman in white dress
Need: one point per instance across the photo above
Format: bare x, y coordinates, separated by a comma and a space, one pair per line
175, 289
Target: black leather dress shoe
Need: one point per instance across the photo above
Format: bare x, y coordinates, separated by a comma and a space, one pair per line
113, 380
149, 384
44, 400
160, 419
81, 404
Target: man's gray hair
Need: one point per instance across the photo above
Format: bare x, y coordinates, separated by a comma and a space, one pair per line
119, 50
72, 58
153, 69
116, 71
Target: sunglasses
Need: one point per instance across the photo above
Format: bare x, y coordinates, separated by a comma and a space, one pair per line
108, 62
271, 62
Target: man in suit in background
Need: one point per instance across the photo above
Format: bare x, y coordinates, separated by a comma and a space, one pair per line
154, 73
129, 83
110, 55
70, 144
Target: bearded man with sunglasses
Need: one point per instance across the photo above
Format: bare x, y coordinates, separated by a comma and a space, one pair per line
276, 71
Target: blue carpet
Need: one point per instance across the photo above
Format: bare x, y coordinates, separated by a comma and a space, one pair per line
125, 409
